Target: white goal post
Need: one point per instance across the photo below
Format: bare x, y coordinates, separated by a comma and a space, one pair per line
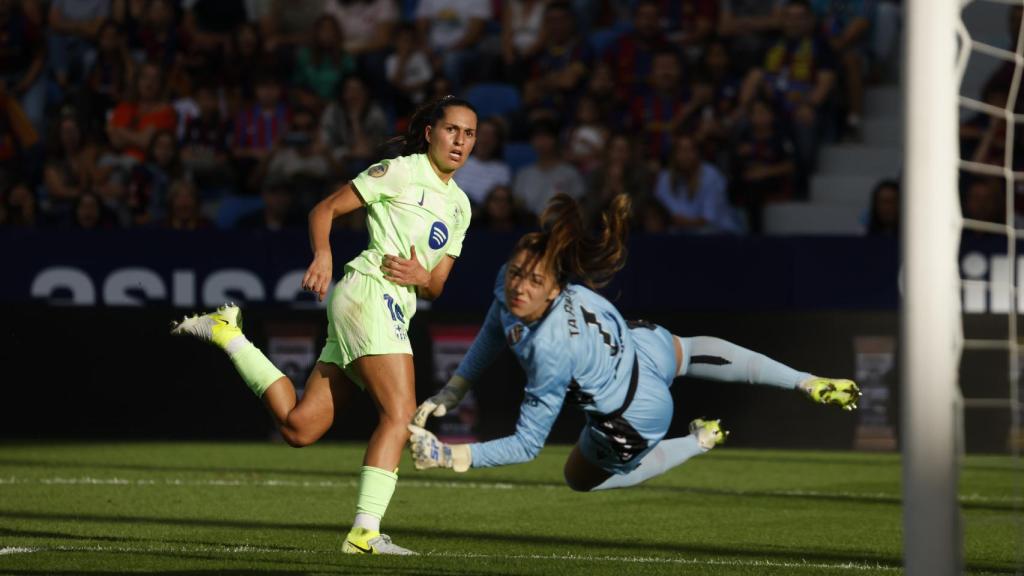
930, 315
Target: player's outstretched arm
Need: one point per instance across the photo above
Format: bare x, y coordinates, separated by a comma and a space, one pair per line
446, 399
429, 452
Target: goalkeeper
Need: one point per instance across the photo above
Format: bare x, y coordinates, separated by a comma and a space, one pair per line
417, 218
576, 348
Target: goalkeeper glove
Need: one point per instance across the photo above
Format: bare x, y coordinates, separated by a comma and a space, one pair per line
446, 399
429, 452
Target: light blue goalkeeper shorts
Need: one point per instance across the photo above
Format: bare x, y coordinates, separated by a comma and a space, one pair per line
647, 418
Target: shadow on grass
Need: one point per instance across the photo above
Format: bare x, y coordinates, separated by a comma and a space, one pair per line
528, 544
94, 466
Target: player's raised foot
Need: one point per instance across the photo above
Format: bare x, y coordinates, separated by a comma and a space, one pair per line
218, 327
363, 541
709, 433
842, 393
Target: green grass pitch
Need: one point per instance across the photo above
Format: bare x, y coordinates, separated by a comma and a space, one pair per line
205, 508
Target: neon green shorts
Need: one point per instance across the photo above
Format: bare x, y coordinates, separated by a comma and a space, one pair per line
363, 318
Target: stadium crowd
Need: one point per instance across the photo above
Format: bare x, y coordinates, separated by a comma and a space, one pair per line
186, 114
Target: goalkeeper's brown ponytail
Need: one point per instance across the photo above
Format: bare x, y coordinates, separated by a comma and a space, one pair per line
565, 247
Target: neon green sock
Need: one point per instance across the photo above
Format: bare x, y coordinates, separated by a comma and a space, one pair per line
255, 369
375, 489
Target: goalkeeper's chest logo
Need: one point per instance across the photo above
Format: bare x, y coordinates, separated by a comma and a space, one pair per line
438, 236
515, 334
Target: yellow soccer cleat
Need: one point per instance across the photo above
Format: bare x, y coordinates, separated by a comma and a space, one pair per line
218, 327
363, 541
842, 393
709, 433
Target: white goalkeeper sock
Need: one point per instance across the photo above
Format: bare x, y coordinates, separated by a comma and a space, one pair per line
665, 456
716, 359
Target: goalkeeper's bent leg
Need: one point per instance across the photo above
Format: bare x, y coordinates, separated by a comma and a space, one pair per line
716, 359
665, 456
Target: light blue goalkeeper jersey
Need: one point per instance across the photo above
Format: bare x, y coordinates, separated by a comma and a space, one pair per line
580, 352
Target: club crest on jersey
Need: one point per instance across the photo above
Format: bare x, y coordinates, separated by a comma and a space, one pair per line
515, 335
438, 235
378, 170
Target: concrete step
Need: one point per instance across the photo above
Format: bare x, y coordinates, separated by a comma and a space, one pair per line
883, 102
796, 218
860, 160
849, 190
883, 132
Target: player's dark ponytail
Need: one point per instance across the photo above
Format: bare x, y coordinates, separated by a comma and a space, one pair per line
573, 254
414, 141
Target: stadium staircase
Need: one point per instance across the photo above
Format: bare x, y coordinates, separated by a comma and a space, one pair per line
840, 190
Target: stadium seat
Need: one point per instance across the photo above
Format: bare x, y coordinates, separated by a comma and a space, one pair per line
519, 154
233, 208
493, 99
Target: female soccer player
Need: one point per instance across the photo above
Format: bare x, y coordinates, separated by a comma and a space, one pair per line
417, 217
575, 347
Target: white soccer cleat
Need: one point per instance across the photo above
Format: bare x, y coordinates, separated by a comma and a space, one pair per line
218, 327
363, 541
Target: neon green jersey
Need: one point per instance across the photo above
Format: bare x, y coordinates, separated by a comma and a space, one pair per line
407, 204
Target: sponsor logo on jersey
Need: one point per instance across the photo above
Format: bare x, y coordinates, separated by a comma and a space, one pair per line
423, 196
438, 235
400, 332
378, 170
515, 334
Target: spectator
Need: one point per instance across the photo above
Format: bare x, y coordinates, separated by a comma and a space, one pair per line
278, 213
204, 146
247, 61
549, 175
587, 138
108, 72
560, 68
670, 106
130, 16
500, 212
183, 208
719, 114
689, 24
73, 26
158, 37
353, 127
209, 24
620, 172
749, 26
521, 35
985, 201
69, 169
149, 183
300, 160
90, 214
453, 29
320, 67
694, 191
631, 57
19, 141
22, 58
18, 207
845, 25
134, 122
367, 25
485, 168
408, 72
287, 23
798, 73
601, 88
764, 164
258, 127
884, 213
654, 218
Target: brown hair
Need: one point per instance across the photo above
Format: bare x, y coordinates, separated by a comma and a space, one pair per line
572, 252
